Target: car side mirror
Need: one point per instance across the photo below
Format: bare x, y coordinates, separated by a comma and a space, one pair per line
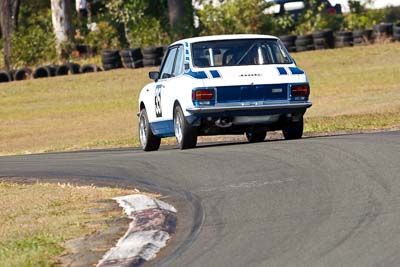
154, 75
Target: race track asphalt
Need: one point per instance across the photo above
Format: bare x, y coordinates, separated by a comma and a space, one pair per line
323, 201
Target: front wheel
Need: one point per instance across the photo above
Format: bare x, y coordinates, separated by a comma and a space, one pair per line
186, 135
148, 140
293, 129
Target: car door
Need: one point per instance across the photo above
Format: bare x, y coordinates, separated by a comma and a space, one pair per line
173, 84
164, 92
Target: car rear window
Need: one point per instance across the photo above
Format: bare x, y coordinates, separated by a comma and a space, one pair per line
239, 52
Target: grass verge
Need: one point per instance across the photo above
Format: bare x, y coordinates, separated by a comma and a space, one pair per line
36, 219
351, 88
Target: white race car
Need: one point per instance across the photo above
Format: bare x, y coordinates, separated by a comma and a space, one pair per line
225, 84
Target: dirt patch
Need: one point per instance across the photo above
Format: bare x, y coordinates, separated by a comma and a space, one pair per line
88, 250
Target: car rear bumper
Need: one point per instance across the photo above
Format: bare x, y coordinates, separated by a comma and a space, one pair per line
249, 107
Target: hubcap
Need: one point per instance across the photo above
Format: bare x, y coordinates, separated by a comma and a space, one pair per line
178, 127
142, 131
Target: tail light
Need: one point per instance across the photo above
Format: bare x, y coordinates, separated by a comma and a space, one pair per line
300, 90
203, 95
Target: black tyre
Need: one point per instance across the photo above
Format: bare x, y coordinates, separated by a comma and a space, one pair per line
134, 53
396, 36
89, 68
62, 70
344, 39
293, 130
383, 29
74, 68
322, 34
52, 69
288, 38
148, 140
135, 65
255, 137
112, 66
320, 41
159, 50
301, 48
186, 135
344, 33
151, 62
110, 53
41, 72
303, 41
5, 76
291, 49
151, 56
22, 74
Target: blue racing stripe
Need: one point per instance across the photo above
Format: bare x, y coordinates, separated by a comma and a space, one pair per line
282, 71
215, 74
296, 70
197, 75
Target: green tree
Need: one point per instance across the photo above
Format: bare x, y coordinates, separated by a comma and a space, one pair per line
234, 16
316, 18
127, 12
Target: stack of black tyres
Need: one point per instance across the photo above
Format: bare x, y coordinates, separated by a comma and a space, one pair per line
362, 37
323, 39
289, 42
396, 31
343, 39
132, 58
383, 31
111, 59
304, 43
152, 56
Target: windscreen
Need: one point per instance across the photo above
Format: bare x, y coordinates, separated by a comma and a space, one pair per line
239, 52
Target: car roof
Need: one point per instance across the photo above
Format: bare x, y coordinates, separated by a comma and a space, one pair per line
224, 37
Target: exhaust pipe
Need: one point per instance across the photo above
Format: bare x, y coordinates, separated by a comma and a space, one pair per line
223, 123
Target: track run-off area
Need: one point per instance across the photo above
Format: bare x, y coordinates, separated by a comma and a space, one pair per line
318, 201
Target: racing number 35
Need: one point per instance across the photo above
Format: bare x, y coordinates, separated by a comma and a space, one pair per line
157, 100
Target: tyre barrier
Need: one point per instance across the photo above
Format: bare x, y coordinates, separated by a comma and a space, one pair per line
383, 30
52, 69
343, 39
152, 56
304, 43
90, 68
111, 59
42, 72
396, 31
323, 39
289, 42
362, 37
132, 57
135, 65
86, 50
5, 76
22, 74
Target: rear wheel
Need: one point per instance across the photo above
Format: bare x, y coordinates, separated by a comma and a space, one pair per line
186, 135
293, 130
148, 140
254, 137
